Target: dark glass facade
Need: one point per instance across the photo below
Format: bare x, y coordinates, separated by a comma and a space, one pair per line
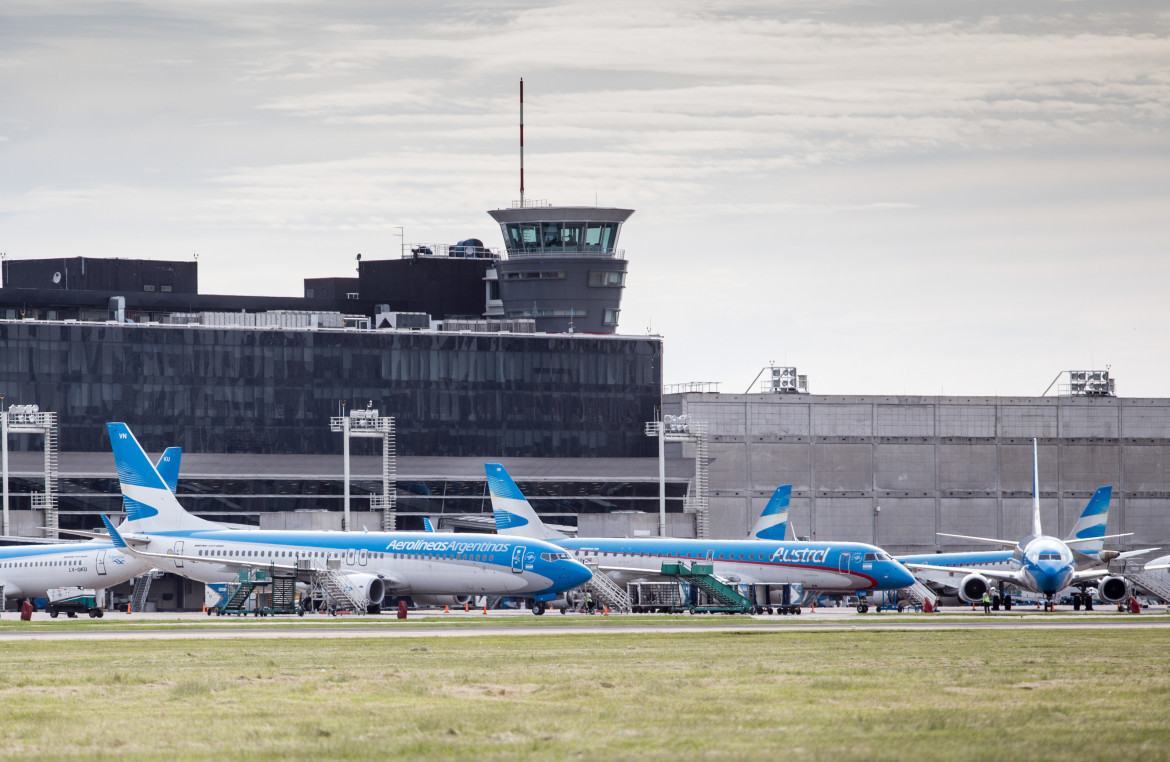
243, 390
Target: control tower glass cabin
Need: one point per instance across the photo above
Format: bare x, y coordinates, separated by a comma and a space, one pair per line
563, 269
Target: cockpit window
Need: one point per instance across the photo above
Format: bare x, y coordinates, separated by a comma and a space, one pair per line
1049, 556
870, 557
562, 556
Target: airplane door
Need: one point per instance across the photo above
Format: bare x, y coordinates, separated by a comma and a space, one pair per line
843, 565
350, 556
518, 560
710, 555
363, 555
178, 551
100, 562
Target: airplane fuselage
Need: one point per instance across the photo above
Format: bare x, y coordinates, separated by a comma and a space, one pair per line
28, 571
816, 565
410, 563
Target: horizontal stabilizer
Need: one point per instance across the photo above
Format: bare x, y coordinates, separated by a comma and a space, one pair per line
1097, 539
990, 540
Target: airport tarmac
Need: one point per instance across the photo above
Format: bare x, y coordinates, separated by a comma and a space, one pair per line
179, 625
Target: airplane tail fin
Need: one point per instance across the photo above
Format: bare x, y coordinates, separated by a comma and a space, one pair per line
773, 522
1091, 525
427, 525
514, 516
1035, 489
150, 504
168, 467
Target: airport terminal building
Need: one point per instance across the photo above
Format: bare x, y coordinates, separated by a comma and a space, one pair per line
485, 356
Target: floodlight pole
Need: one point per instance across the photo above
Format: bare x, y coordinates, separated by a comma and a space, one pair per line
4, 446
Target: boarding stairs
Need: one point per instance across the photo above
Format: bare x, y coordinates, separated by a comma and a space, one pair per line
1136, 575
721, 597
918, 594
606, 592
141, 590
340, 592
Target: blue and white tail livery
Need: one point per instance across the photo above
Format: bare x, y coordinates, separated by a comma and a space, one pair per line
773, 522
1088, 534
513, 513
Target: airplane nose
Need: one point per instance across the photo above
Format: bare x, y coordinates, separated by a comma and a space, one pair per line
902, 576
576, 574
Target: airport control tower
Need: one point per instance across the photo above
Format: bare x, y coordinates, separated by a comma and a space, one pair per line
563, 268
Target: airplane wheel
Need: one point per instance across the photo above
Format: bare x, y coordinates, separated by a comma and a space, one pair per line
537, 609
862, 608
796, 611
901, 608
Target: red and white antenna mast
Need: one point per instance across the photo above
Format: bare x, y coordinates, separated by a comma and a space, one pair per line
522, 142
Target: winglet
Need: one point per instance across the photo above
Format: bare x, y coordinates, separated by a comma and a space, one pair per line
115, 536
773, 522
514, 515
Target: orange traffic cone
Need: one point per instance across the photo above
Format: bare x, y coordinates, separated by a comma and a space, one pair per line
606, 611
127, 608
485, 608
446, 610
465, 608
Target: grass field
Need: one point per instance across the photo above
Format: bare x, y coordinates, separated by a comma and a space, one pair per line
1040, 694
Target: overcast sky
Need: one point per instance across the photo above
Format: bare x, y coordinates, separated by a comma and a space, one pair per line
956, 198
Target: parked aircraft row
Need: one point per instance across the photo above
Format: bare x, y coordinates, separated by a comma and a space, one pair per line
525, 558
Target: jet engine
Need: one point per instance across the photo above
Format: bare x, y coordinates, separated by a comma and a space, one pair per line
1112, 589
441, 600
972, 588
368, 585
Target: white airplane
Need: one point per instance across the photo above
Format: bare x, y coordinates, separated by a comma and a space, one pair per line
849, 566
368, 565
1037, 563
30, 571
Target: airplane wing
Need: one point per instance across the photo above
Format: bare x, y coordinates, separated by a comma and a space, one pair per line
999, 576
1089, 574
991, 540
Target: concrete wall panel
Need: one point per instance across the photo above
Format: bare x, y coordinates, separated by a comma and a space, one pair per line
845, 519
967, 467
1149, 520
977, 517
1028, 421
905, 521
778, 419
966, 420
842, 420
905, 421
1145, 421
904, 467
728, 467
729, 516
1101, 419
722, 418
1147, 468
843, 467
1015, 467
776, 464
1086, 467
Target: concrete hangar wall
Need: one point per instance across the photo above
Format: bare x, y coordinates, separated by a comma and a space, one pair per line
933, 464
